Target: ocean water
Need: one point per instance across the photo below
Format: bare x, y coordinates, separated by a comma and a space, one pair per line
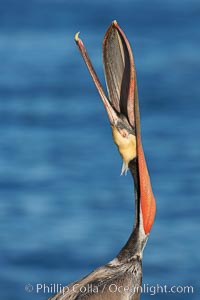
64, 208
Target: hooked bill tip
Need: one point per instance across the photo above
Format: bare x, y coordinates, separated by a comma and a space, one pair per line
114, 22
76, 37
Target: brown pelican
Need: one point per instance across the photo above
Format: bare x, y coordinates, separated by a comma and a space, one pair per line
121, 278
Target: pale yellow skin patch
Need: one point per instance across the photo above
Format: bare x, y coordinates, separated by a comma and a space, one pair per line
126, 144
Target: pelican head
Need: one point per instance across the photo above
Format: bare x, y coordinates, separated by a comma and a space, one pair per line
123, 112
126, 143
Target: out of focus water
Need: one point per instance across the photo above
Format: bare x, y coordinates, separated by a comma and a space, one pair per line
64, 209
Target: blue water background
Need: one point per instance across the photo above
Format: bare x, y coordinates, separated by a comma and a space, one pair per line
64, 209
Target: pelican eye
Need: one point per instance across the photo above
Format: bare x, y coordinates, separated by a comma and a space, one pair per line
124, 133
